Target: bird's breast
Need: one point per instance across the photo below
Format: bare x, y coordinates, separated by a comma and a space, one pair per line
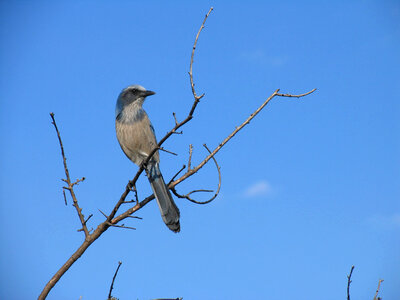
136, 137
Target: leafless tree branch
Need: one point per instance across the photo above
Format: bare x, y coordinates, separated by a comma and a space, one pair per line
190, 157
296, 96
121, 226
377, 290
135, 217
176, 121
113, 218
187, 196
196, 98
112, 283
348, 282
234, 132
70, 186
167, 151
65, 197
103, 214
177, 173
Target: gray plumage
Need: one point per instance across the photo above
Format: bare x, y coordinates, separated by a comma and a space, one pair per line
137, 139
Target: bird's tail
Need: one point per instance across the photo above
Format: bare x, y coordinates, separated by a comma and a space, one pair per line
169, 210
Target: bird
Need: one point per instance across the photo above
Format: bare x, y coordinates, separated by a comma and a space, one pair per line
137, 139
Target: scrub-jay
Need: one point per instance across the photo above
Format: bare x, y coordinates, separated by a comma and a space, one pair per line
137, 139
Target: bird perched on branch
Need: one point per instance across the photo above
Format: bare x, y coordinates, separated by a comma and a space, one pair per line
137, 139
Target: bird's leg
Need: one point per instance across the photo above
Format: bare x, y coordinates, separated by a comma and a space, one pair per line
133, 189
135, 192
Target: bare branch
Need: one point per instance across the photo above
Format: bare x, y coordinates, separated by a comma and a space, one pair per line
177, 173
112, 283
77, 181
348, 282
61, 146
91, 215
121, 226
237, 129
296, 96
187, 196
190, 157
172, 131
113, 219
65, 197
135, 217
170, 152
196, 98
68, 180
176, 121
103, 214
129, 201
377, 290
177, 132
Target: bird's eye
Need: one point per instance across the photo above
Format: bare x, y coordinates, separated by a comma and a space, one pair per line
133, 91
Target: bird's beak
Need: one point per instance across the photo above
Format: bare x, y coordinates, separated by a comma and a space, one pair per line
148, 93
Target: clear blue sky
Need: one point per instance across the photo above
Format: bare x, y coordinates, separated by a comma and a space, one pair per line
310, 188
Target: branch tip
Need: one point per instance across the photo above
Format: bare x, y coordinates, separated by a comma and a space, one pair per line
112, 283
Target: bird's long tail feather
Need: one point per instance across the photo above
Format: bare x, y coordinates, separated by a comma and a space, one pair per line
169, 210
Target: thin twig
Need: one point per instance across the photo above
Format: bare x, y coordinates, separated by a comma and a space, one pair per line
65, 197
61, 145
121, 226
78, 180
91, 215
296, 96
129, 201
176, 121
68, 180
170, 152
187, 196
135, 217
197, 98
103, 214
190, 156
112, 283
377, 290
234, 132
134, 190
177, 173
177, 132
348, 282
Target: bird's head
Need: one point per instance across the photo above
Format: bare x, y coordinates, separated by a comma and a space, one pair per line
132, 94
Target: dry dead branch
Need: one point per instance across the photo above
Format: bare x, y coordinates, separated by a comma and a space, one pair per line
115, 216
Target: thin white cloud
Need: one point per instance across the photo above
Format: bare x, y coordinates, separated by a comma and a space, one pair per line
260, 188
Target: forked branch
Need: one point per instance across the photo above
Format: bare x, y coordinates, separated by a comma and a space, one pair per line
114, 217
187, 196
70, 184
234, 132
